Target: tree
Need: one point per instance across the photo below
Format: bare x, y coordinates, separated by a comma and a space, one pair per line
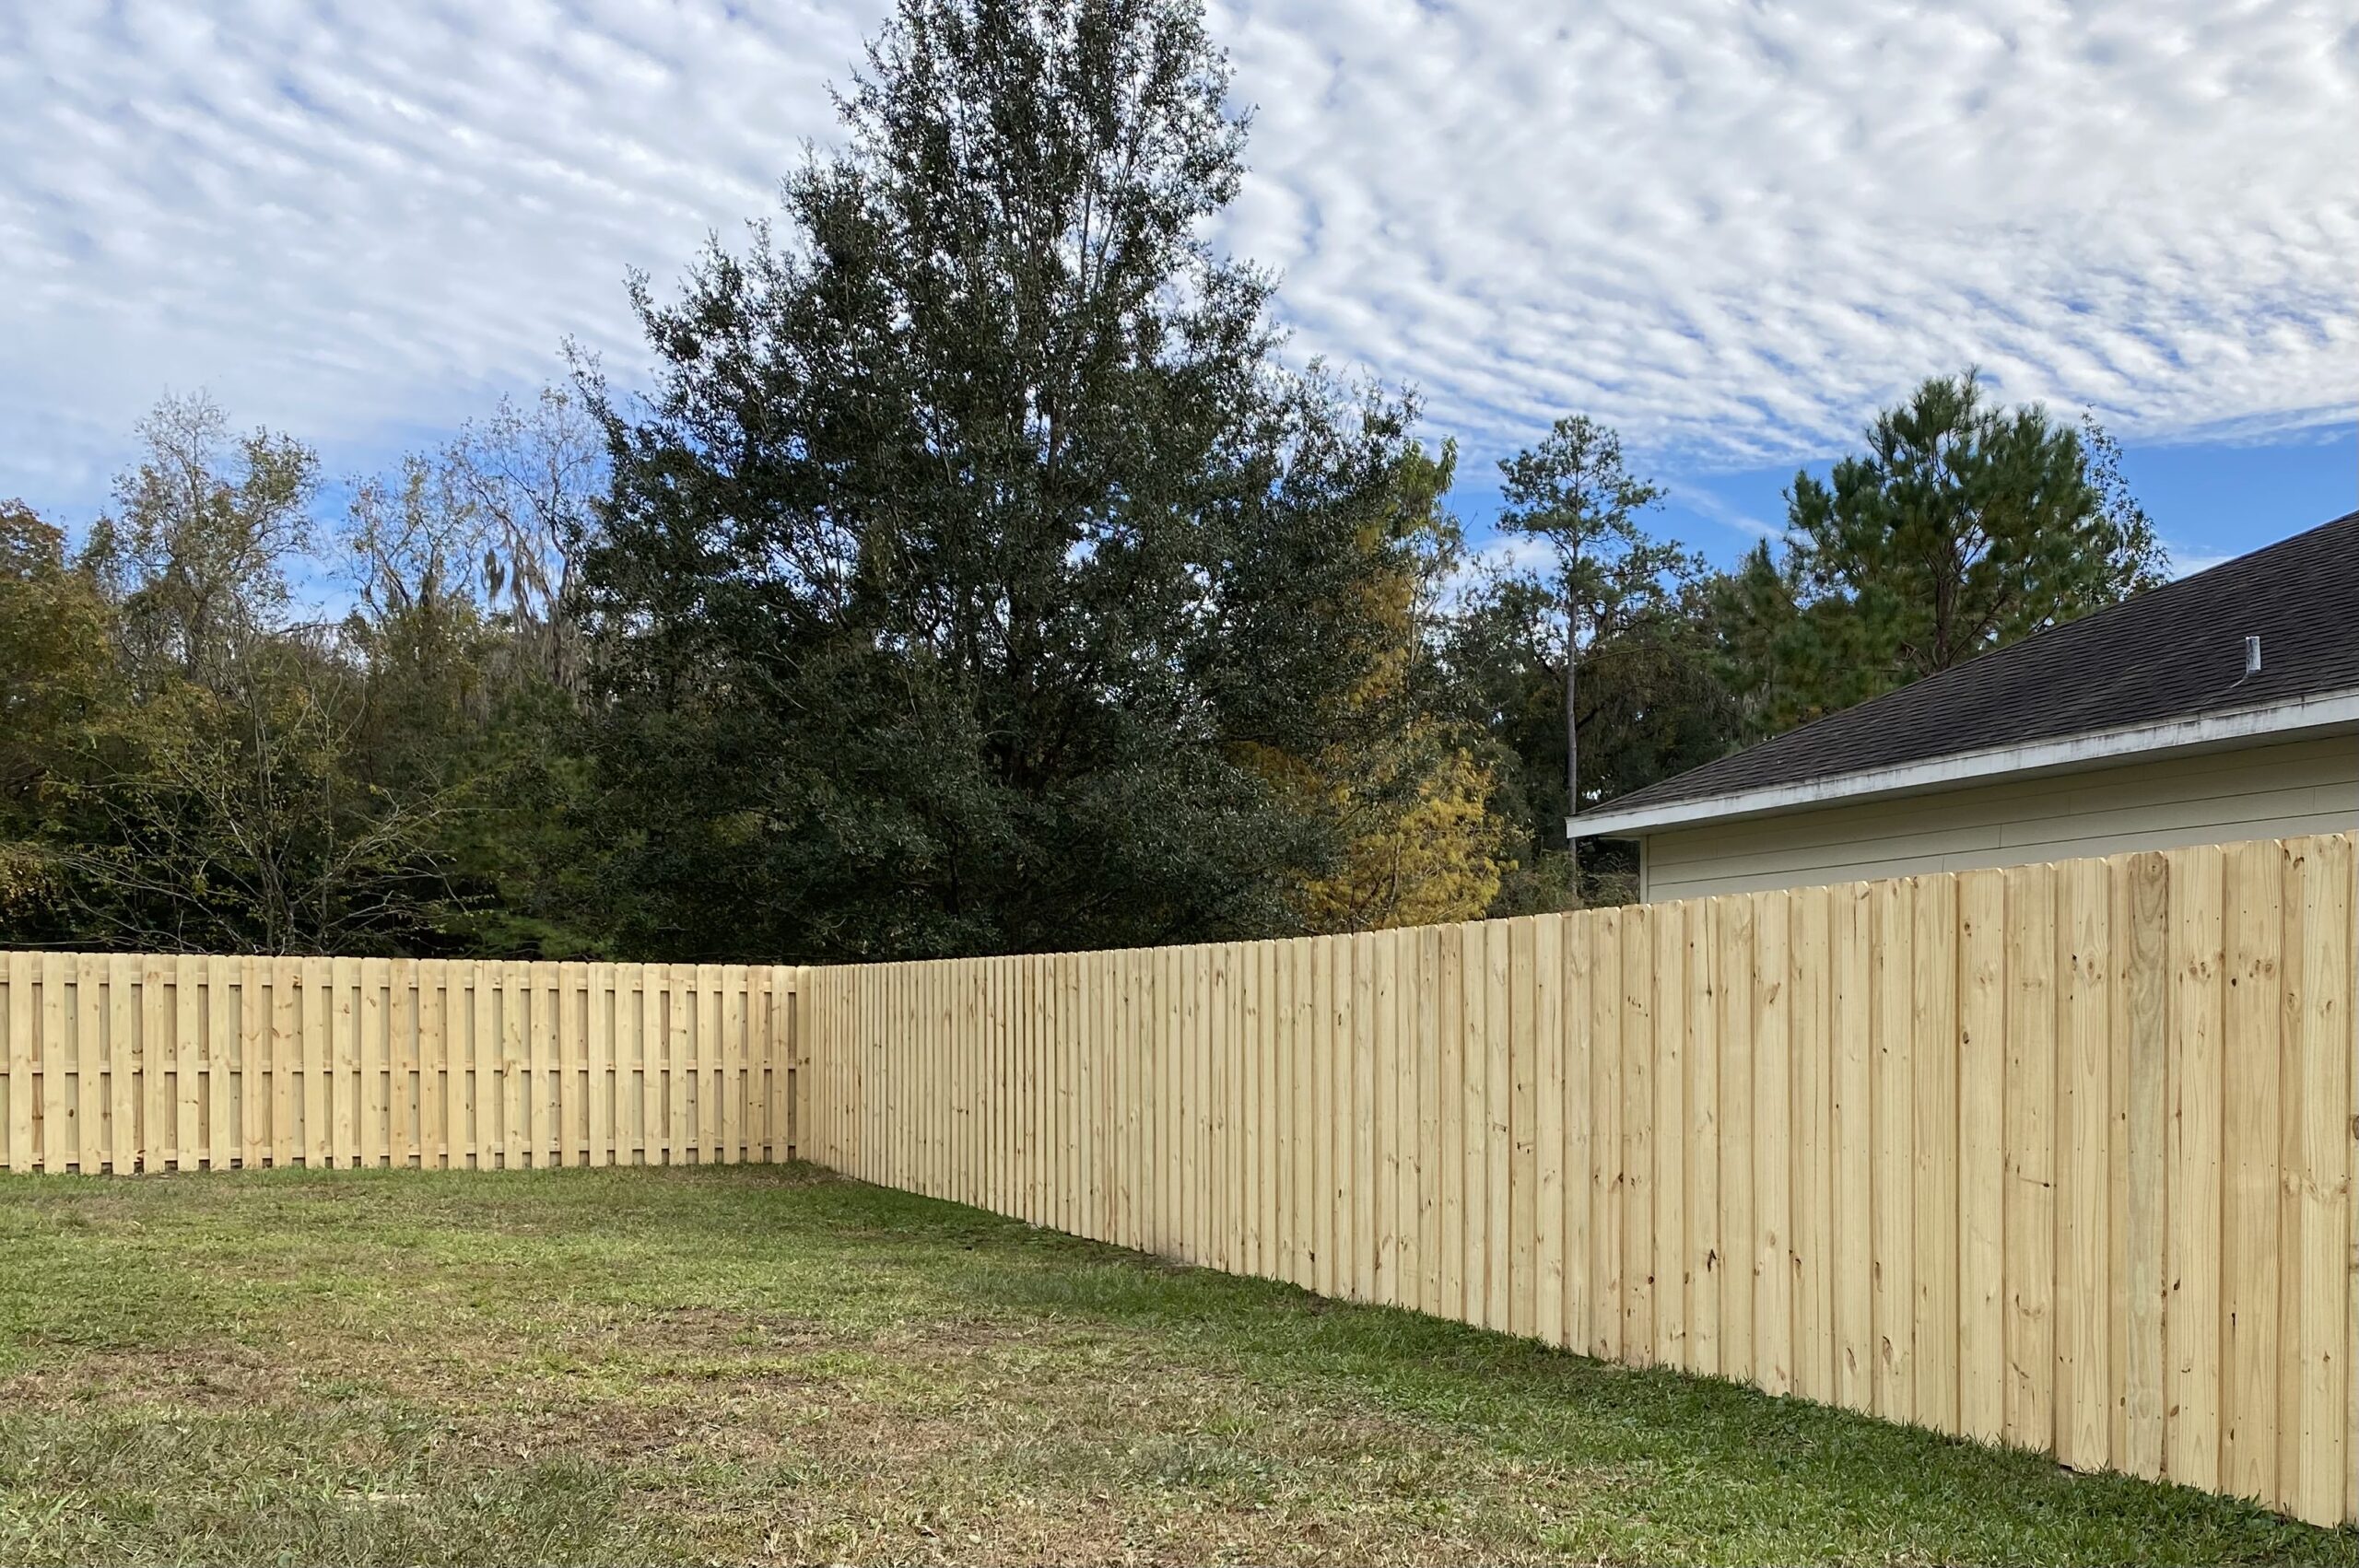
970, 551
527, 476
205, 527
1651, 704
55, 674
208, 798
1410, 800
1573, 493
1961, 528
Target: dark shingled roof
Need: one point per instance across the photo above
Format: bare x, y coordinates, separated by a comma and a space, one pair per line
2171, 652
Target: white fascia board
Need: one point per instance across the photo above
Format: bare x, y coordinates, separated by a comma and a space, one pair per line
2321, 714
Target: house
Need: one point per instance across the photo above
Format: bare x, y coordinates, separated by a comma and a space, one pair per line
2221, 707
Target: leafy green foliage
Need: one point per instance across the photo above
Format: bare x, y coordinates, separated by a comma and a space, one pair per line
1963, 527
1605, 647
972, 545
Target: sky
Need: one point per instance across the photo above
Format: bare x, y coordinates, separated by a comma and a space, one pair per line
1730, 230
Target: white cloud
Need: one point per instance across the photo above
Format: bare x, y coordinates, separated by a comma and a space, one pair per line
2187, 562
1730, 230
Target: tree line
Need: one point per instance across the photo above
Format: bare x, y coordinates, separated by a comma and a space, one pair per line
968, 570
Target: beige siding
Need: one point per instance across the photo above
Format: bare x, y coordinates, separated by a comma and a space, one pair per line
2254, 792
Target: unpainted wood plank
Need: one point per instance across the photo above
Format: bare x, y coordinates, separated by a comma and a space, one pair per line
122, 1063
1070, 1179
1498, 1133
1933, 1148
284, 1048
90, 1063
373, 1005
1132, 1131
157, 1111
561, 987
519, 1066
2032, 1069
2348, 912
1133, 1134
600, 979
1248, 1104
682, 1138
486, 1076
253, 1063
1637, 1135
311, 998
1609, 1305
1667, 1142
1982, 1153
775, 985
54, 1134
408, 1114
1450, 1096
1432, 1108
1733, 934
434, 1005
1223, 1233
22, 1099
706, 1051
1180, 1018
2083, 1198
1892, 1179
347, 1065
1852, 1129
1548, 1128
2142, 1031
743, 1065
1175, 986
1812, 1225
1359, 1199
1773, 1132
1474, 1103
2249, 1163
1521, 996
125, 1089
1706, 1259
1096, 1050
1385, 1113
2314, 1451
2192, 1258
220, 1062
1580, 944
1321, 1015
188, 1061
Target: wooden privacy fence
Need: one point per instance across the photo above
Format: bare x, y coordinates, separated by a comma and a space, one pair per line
2059, 1156
121, 1063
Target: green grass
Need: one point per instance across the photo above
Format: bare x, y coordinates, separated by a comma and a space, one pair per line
767, 1365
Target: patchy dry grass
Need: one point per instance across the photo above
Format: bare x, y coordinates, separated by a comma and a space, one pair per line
764, 1365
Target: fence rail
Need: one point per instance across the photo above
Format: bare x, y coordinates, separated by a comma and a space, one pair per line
119, 1062
2058, 1155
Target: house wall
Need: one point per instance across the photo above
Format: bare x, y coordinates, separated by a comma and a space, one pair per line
2254, 792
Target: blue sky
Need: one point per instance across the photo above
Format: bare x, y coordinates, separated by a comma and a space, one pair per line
2209, 500
1732, 231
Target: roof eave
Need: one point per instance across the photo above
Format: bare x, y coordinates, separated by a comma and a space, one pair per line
2291, 720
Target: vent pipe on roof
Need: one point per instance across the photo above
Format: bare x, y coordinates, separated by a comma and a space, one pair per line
2252, 656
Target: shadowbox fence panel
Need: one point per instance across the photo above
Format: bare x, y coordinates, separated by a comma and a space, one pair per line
119, 1062
2058, 1156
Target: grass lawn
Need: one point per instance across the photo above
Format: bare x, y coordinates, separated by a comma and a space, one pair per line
769, 1365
